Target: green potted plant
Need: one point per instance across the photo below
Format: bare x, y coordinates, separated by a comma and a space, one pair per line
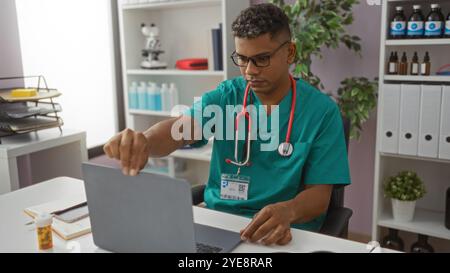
404, 189
317, 24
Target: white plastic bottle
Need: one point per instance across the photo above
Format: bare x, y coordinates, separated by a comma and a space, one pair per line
165, 97
158, 103
151, 96
142, 96
133, 96
174, 95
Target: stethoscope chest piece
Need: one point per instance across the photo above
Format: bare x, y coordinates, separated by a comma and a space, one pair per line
286, 149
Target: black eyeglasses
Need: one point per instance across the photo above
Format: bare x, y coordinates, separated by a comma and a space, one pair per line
258, 61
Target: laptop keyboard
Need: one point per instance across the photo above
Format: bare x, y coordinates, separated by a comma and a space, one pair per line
202, 248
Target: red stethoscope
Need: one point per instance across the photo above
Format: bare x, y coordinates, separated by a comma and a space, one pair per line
285, 149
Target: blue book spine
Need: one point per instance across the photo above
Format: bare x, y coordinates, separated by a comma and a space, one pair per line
217, 49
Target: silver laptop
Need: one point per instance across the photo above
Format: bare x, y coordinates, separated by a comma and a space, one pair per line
147, 213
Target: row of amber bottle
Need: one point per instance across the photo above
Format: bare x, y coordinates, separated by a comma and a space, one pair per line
401, 66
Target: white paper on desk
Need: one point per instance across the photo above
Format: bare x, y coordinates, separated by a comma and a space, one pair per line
64, 230
56, 205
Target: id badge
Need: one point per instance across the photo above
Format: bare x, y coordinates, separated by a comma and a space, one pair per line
234, 187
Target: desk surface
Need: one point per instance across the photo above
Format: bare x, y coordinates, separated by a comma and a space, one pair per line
37, 141
16, 236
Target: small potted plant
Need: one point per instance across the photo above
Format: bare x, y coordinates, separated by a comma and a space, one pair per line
404, 189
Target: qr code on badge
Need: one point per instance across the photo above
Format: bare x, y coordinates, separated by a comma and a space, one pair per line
242, 188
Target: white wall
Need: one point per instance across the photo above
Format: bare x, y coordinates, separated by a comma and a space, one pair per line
70, 42
10, 59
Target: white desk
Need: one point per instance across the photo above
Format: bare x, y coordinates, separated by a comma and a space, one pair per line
15, 236
39, 156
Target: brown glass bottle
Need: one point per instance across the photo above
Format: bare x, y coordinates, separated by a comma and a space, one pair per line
425, 67
403, 68
392, 65
415, 65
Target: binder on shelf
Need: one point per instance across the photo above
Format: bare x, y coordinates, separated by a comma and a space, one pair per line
217, 48
430, 113
444, 139
409, 119
391, 118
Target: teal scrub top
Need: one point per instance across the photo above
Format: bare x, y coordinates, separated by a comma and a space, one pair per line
319, 157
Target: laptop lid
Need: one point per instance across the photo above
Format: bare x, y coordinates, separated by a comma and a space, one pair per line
146, 213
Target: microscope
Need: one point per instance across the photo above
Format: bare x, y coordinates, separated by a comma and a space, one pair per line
152, 48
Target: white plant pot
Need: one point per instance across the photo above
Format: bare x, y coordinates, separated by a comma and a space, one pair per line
403, 210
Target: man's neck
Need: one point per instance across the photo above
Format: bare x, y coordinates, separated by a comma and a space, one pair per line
275, 97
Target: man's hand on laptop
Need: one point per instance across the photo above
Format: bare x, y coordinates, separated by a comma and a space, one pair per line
131, 148
271, 225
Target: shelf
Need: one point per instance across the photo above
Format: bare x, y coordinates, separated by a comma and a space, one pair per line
200, 154
408, 78
174, 4
411, 1
174, 72
425, 222
408, 42
151, 113
415, 157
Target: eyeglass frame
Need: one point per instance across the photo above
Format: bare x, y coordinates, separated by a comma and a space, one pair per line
269, 55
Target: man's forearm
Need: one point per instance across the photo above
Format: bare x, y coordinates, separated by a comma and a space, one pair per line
310, 203
162, 142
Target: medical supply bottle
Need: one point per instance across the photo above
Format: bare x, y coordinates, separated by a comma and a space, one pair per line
422, 245
142, 96
151, 93
392, 65
393, 241
447, 26
425, 67
416, 23
415, 65
398, 24
158, 99
44, 231
435, 22
165, 97
403, 68
133, 96
397, 63
174, 95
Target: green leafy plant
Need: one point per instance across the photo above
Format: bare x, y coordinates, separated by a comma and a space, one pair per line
317, 24
405, 186
357, 98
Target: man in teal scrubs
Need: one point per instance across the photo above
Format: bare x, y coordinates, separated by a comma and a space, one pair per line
278, 192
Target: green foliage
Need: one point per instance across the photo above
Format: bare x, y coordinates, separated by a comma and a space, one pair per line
357, 99
321, 23
316, 24
405, 186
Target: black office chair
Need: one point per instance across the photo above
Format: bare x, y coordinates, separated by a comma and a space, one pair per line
338, 217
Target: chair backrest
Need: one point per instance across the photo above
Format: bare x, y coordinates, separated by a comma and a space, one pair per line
337, 195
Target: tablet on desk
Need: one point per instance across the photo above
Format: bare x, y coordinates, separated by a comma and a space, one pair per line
72, 214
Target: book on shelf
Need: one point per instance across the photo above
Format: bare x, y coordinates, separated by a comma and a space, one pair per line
217, 48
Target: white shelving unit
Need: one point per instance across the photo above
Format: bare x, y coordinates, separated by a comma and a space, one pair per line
408, 42
174, 72
432, 79
435, 172
185, 32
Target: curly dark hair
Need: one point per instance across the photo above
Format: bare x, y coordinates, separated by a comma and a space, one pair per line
260, 19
